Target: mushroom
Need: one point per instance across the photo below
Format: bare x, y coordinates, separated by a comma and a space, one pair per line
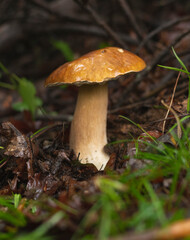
91, 73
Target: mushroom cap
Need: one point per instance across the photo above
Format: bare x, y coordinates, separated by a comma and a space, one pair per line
96, 67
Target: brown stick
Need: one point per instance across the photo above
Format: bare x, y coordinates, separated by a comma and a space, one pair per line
44, 6
171, 102
102, 24
157, 60
128, 12
161, 28
177, 230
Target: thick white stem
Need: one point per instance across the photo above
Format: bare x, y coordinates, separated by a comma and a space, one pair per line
88, 129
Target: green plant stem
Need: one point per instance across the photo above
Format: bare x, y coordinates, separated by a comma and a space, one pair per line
7, 85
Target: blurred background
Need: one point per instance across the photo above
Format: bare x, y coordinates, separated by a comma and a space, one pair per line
37, 36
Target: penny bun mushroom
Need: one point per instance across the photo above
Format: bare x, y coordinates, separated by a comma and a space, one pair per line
91, 73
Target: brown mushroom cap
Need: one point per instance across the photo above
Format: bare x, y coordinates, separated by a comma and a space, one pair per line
96, 67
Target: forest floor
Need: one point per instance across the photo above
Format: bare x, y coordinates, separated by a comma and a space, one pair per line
45, 192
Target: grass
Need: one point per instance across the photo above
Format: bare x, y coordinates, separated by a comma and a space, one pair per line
12, 214
40, 232
135, 200
152, 208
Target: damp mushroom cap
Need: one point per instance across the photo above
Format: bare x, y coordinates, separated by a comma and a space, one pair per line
96, 67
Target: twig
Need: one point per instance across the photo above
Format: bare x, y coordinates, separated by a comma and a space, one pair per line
161, 28
171, 102
169, 118
136, 104
164, 52
65, 117
146, 98
182, 91
3, 163
156, 60
44, 6
163, 83
102, 23
177, 230
78, 28
17, 31
128, 12
164, 3
179, 132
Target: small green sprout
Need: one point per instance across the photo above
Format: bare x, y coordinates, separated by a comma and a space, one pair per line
26, 90
17, 198
64, 48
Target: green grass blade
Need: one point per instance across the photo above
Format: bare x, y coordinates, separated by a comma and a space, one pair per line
39, 233
139, 126
156, 203
174, 69
179, 60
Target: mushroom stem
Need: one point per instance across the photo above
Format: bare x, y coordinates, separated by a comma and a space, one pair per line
88, 129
